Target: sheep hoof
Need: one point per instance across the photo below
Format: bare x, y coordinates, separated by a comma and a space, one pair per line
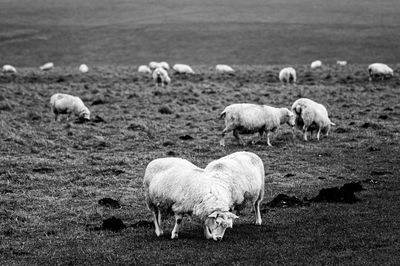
174, 236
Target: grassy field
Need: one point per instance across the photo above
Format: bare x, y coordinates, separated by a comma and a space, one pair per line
251, 32
52, 174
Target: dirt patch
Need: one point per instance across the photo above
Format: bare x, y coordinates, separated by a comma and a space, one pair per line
344, 194
109, 202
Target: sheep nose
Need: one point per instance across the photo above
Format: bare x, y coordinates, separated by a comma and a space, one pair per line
219, 238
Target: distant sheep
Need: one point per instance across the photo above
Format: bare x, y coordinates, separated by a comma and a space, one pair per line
153, 65
61, 103
246, 118
288, 75
144, 69
341, 63
224, 68
379, 70
316, 64
174, 184
83, 68
9, 69
160, 76
47, 66
183, 69
311, 116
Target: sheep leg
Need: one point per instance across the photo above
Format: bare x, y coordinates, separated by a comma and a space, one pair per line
175, 231
157, 222
237, 136
206, 232
318, 133
226, 129
305, 133
268, 141
261, 133
257, 211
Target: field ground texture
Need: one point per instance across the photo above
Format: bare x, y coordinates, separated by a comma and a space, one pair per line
254, 32
52, 174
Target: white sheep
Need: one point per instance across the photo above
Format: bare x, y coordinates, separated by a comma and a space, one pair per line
47, 66
160, 75
9, 69
311, 116
83, 68
316, 64
61, 103
153, 65
144, 69
379, 70
288, 75
174, 184
224, 68
246, 118
341, 63
244, 172
183, 69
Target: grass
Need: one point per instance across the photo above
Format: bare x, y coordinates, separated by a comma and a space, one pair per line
53, 174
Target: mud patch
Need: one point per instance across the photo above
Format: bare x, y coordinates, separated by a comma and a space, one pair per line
110, 203
113, 224
344, 194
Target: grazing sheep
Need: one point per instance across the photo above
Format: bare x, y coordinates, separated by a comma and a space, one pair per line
176, 185
244, 172
144, 69
246, 118
341, 63
47, 66
183, 69
311, 116
316, 64
160, 75
67, 104
153, 65
9, 69
379, 70
288, 75
83, 68
224, 69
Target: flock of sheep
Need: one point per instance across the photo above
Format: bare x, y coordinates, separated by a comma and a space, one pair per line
225, 185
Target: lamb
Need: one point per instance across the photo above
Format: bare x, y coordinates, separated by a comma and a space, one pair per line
83, 68
311, 116
160, 75
379, 70
47, 66
316, 64
341, 63
9, 69
246, 118
224, 68
164, 65
144, 69
61, 103
183, 69
287, 75
174, 184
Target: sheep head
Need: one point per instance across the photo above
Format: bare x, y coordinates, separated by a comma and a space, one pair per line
216, 224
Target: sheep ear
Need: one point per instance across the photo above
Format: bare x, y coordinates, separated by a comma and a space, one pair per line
213, 215
233, 216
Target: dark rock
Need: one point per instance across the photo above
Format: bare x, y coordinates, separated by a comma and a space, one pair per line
344, 194
168, 143
43, 170
165, 110
109, 202
383, 117
289, 175
113, 224
98, 119
171, 153
186, 137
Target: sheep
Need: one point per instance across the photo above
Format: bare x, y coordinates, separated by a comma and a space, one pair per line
153, 65
47, 66
9, 69
246, 118
175, 184
183, 69
311, 116
61, 103
244, 172
83, 68
341, 63
144, 69
288, 75
379, 70
160, 75
316, 64
224, 68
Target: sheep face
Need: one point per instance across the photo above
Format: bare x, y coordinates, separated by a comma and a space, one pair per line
85, 115
216, 224
288, 118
